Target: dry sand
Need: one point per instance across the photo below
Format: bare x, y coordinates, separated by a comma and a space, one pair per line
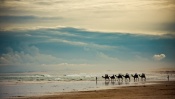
163, 90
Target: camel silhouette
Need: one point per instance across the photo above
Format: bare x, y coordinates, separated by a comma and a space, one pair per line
135, 76
106, 77
143, 76
112, 78
119, 77
126, 76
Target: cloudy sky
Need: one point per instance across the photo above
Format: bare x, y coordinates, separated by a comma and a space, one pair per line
42, 35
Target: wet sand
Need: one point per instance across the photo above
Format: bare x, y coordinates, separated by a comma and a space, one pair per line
162, 90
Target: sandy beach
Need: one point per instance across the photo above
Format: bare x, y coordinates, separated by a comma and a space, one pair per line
161, 90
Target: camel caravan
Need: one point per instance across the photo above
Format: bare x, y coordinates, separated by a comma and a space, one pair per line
127, 77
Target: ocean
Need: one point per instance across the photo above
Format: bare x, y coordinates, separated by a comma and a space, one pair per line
42, 83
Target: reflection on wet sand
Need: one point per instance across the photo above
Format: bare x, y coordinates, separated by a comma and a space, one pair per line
112, 83
107, 83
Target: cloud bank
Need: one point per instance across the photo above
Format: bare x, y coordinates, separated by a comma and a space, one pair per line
29, 56
153, 17
77, 48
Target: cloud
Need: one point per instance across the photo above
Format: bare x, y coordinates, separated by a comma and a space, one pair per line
83, 44
120, 15
26, 19
28, 35
159, 56
71, 65
29, 55
107, 59
68, 46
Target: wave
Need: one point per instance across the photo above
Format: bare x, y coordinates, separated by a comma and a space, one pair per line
70, 77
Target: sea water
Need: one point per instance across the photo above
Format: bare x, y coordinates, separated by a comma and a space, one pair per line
42, 83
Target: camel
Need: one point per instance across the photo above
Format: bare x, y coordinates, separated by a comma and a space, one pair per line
143, 76
112, 78
136, 77
119, 77
126, 76
106, 77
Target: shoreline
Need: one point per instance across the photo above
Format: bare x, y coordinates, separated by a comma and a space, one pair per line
160, 90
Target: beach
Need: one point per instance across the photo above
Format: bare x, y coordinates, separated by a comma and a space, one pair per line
158, 90
47, 85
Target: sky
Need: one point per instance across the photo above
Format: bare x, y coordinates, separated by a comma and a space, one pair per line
85, 35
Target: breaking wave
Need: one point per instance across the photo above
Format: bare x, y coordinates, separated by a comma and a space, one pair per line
70, 77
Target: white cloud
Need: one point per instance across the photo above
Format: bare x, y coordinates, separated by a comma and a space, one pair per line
159, 56
84, 44
30, 55
107, 58
69, 65
68, 42
28, 35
